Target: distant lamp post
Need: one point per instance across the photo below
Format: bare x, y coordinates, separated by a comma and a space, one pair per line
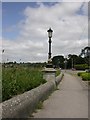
50, 31
58, 63
65, 63
3, 51
72, 64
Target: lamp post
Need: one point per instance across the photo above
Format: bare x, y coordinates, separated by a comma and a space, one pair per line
49, 73
3, 61
65, 64
50, 36
72, 64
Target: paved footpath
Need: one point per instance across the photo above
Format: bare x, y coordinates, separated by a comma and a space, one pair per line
70, 101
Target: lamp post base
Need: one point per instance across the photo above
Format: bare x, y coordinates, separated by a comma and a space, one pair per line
49, 74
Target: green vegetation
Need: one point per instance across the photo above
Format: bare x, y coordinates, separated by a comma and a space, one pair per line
72, 61
17, 80
39, 105
58, 72
58, 61
85, 76
81, 66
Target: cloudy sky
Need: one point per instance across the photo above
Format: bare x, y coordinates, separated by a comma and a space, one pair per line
25, 25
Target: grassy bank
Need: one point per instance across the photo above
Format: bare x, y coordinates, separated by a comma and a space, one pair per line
18, 80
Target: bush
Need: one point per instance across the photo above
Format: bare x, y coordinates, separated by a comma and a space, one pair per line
85, 76
79, 74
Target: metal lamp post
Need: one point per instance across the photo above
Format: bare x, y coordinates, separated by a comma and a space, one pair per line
50, 36
49, 73
72, 64
65, 63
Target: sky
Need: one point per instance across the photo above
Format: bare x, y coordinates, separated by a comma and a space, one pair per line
25, 25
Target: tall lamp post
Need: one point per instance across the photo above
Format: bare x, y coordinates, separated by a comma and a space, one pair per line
50, 36
49, 73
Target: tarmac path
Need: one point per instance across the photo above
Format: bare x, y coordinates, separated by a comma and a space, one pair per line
69, 101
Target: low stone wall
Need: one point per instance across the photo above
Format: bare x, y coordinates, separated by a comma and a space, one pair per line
23, 105
59, 78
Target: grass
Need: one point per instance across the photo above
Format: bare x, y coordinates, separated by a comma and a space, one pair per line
85, 76
39, 105
18, 80
57, 72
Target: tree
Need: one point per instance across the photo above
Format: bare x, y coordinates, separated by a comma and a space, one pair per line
74, 60
58, 61
86, 54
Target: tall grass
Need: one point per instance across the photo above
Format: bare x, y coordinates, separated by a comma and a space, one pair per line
18, 80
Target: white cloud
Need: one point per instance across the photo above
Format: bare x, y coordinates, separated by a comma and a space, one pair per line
85, 8
68, 26
26, 51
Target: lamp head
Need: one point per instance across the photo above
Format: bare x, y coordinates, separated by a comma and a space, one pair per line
50, 32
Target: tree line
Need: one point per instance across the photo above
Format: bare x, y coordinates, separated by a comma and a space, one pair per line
72, 61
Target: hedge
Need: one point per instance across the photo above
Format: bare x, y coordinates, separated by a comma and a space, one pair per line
81, 66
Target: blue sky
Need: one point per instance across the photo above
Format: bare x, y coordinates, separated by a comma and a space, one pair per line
12, 13
26, 23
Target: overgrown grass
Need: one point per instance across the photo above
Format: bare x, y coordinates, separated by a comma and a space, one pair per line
85, 76
18, 80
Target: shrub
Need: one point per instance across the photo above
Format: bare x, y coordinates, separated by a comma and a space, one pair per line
85, 76
79, 74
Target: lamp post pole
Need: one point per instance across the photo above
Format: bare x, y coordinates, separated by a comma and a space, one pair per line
49, 54
65, 64
72, 64
50, 36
